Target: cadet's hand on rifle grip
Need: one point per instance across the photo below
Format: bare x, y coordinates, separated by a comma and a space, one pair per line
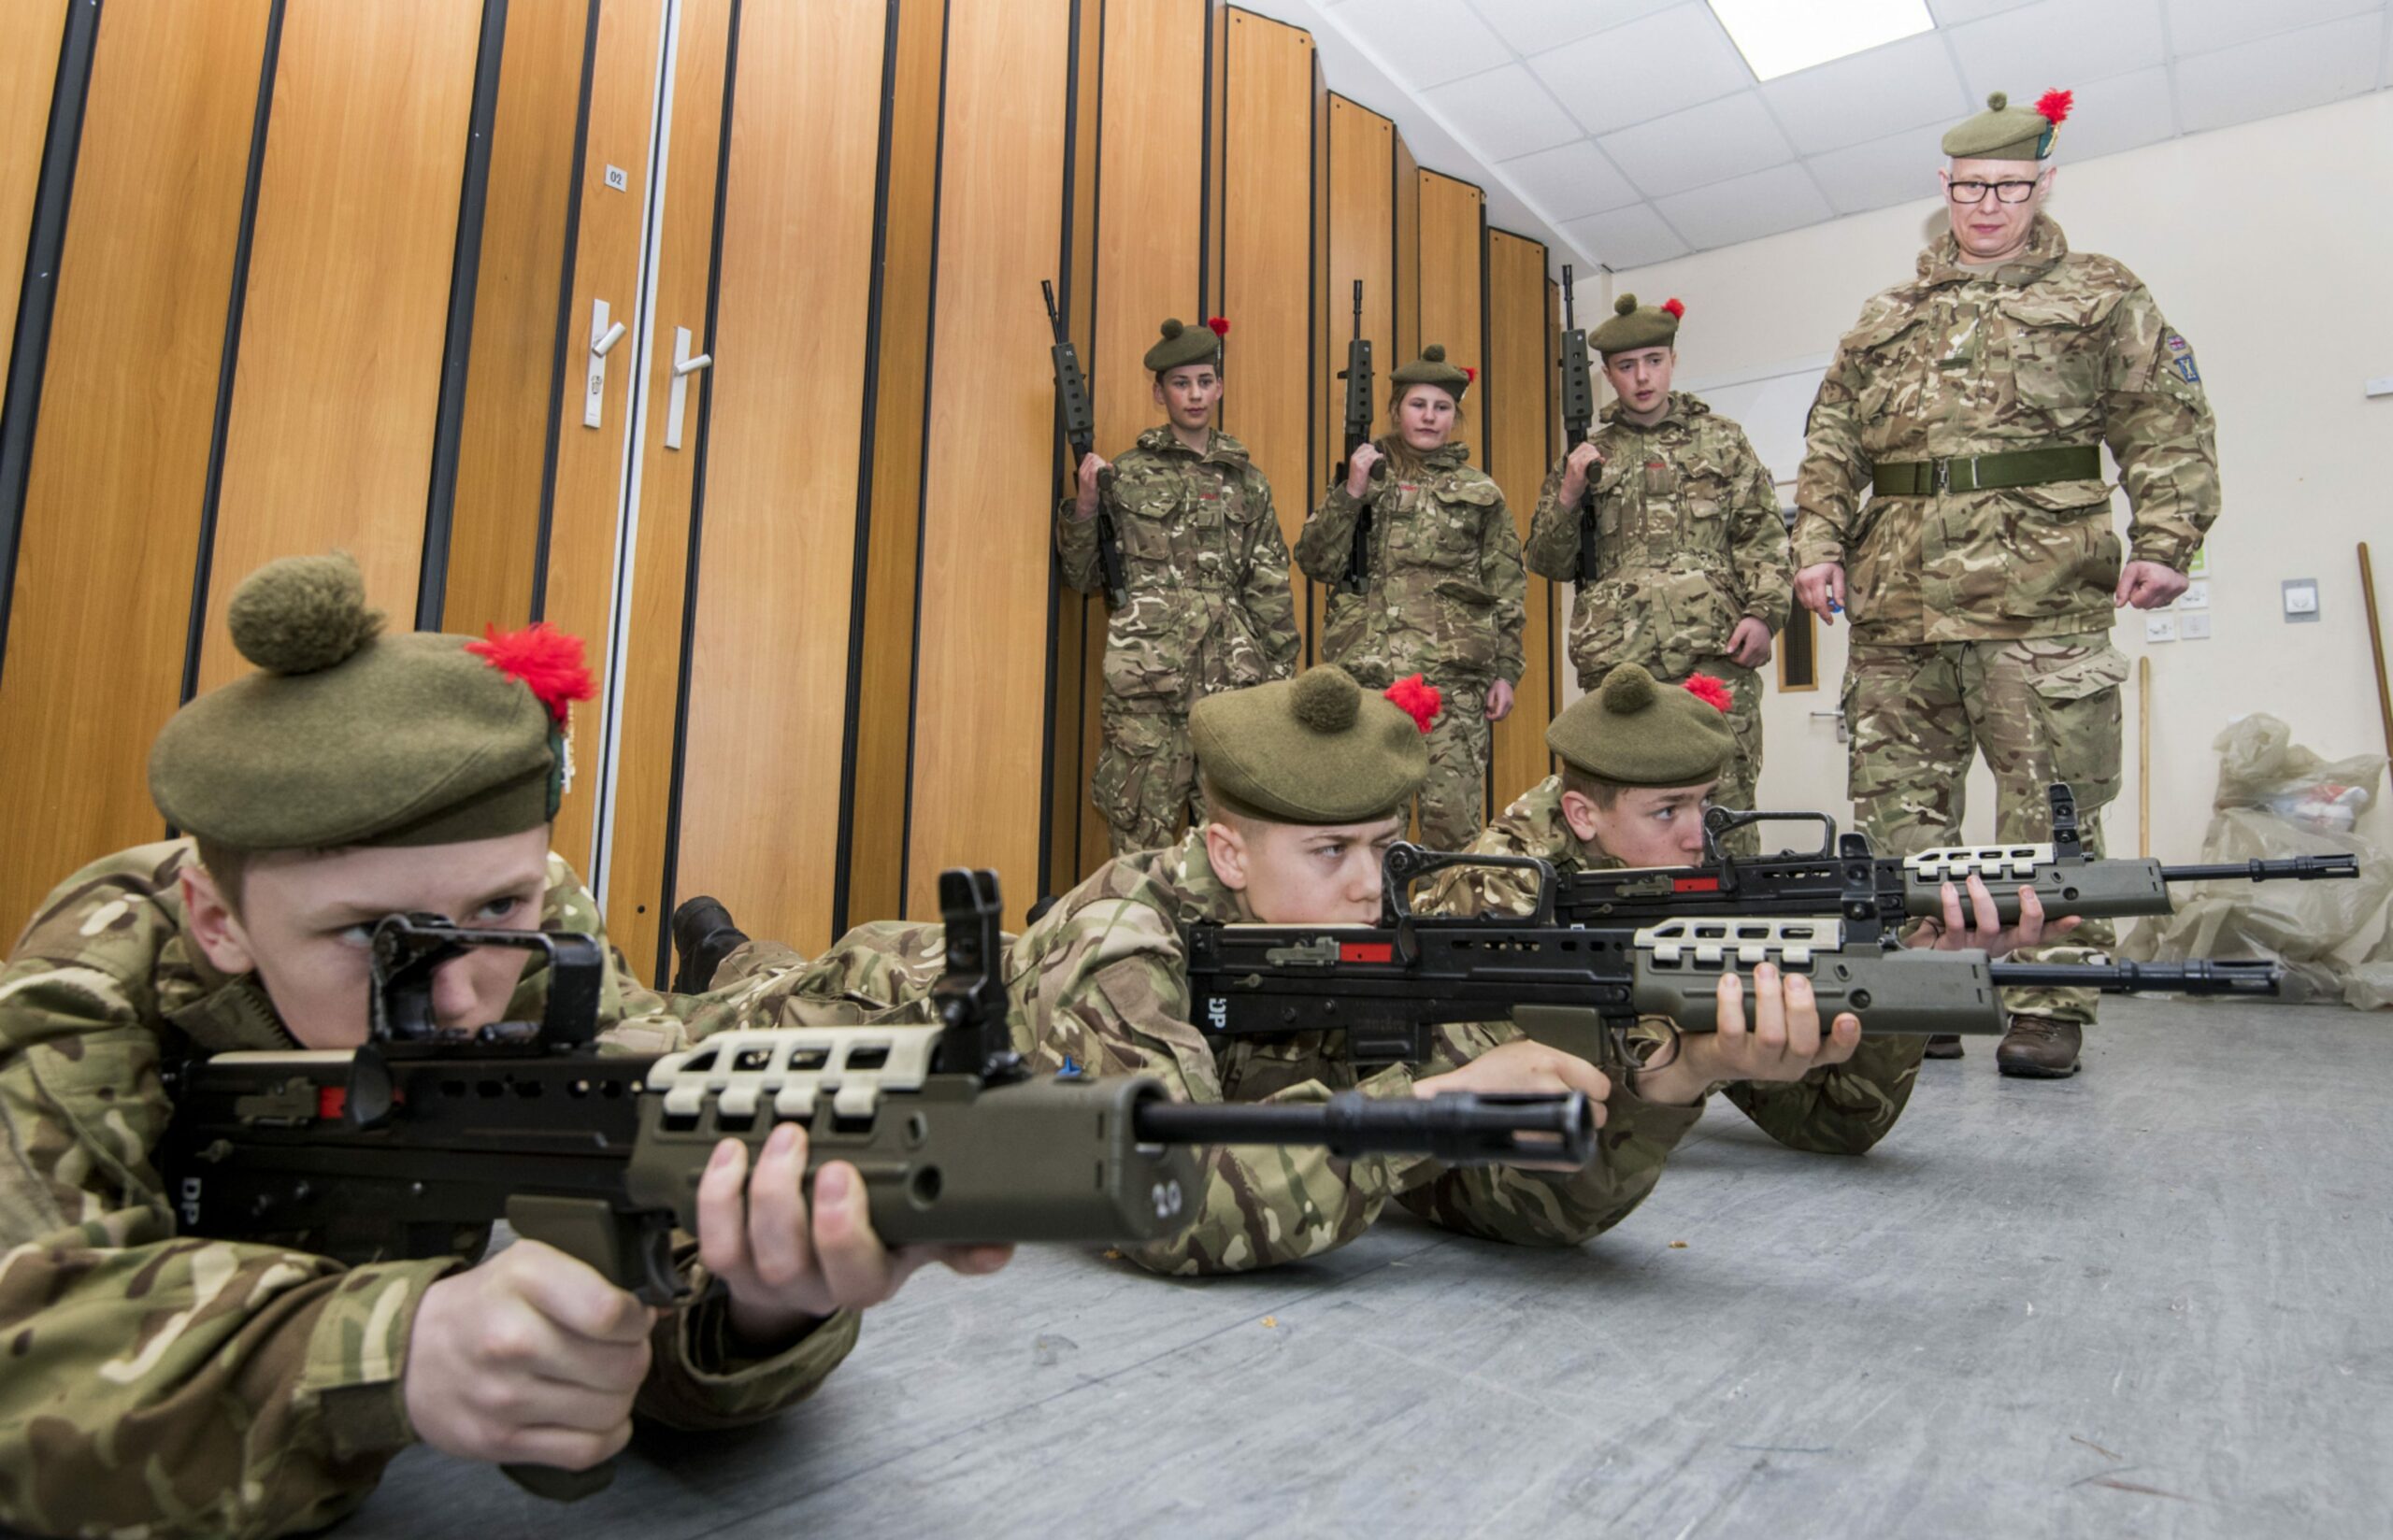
1577, 471
1785, 1042
1820, 589
1985, 928
1092, 468
1358, 469
1526, 1067
531, 1358
787, 1263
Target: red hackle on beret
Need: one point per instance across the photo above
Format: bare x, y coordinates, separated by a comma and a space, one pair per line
1470, 375
1418, 698
1710, 691
1676, 311
547, 660
2054, 105
1220, 326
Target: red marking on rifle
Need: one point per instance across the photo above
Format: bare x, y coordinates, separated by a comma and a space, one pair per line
1695, 885
331, 1102
1365, 951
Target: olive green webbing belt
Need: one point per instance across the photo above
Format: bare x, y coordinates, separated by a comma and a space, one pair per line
1985, 472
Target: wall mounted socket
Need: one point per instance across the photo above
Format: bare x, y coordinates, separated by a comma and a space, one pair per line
2197, 595
2300, 598
2194, 627
2159, 628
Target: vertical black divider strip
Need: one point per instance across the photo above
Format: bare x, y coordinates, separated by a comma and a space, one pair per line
864, 445
195, 633
1206, 170
465, 273
1316, 281
1487, 437
564, 349
922, 477
677, 780
1059, 451
29, 351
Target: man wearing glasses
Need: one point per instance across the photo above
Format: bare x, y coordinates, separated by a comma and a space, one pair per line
1971, 405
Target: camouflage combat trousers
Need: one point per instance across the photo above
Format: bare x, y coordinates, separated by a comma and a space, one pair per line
1739, 783
1454, 798
1146, 777
2039, 710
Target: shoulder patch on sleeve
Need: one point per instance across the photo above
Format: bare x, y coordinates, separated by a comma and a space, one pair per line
2181, 358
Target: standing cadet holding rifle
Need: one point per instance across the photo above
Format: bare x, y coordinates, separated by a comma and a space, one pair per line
1198, 582
1442, 593
1971, 405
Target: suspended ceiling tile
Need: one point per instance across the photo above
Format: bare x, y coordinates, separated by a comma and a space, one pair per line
1896, 169
1704, 144
2120, 113
1599, 81
1569, 181
2281, 74
1746, 207
2058, 43
1503, 113
1952, 13
1868, 95
1626, 237
1426, 42
1531, 25
2204, 26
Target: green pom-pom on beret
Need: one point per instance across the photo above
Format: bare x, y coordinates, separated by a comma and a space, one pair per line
1624, 306
301, 614
1317, 749
1636, 731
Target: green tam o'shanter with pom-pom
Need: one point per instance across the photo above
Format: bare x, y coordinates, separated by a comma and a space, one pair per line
1634, 730
1318, 748
348, 737
2007, 133
1633, 326
1182, 346
1431, 368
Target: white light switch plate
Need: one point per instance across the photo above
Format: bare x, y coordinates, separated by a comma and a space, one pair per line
2197, 596
2300, 598
2159, 628
2194, 627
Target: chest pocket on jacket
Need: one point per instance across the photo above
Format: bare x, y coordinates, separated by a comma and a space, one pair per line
1150, 515
1454, 518
1882, 354
2055, 353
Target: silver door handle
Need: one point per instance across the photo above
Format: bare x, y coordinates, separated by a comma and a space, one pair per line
689, 366
1843, 733
603, 333
685, 363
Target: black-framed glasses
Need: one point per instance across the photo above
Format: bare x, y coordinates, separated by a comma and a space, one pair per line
2003, 192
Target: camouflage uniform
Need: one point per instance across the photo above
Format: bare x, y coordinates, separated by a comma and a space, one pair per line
1100, 981
1209, 608
162, 1383
1689, 543
1839, 1109
1445, 598
1982, 617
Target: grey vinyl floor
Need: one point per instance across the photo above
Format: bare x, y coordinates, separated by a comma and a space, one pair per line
2151, 1301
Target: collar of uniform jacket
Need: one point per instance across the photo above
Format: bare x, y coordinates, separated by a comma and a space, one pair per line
1940, 263
1683, 408
1451, 455
1198, 894
1218, 446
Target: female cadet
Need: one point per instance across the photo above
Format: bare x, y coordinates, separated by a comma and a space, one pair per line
1443, 591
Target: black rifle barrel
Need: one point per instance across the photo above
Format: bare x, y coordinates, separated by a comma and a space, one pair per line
2199, 976
2299, 868
1460, 1129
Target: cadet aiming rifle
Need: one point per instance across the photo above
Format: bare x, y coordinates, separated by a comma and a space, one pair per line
1358, 375
1580, 984
391, 1150
2066, 877
1578, 419
1080, 434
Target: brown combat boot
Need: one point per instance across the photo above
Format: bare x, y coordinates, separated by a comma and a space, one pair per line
1943, 1045
2040, 1048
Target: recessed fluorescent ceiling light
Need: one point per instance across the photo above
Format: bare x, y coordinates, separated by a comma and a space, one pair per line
1781, 36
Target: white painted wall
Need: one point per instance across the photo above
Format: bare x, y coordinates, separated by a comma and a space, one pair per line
2270, 246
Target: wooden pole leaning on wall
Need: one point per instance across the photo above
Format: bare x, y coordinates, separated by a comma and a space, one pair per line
2144, 756
2376, 646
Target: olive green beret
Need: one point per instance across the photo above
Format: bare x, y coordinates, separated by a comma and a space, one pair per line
1431, 368
2007, 133
1633, 326
1317, 749
1635, 732
346, 736
1185, 345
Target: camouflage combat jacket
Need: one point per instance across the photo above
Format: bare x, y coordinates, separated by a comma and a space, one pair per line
1206, 567
1841, 1109
2056, 349
162, 1383
1688, 542
1446, 593
1101, 980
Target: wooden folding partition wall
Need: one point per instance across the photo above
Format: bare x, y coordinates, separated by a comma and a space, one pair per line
1516, 414
27, 74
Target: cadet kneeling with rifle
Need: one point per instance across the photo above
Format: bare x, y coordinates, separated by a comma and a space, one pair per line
163, 1382
1640, 761
1204, 603
1306, 782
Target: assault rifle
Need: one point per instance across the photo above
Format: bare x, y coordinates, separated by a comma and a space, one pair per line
1080, 434
1358, 375
393, 1148
1580, 984
2066, 876
1578, 418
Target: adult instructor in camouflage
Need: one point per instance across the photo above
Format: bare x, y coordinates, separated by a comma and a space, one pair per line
1971, 405
1690, 563
1206, 567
